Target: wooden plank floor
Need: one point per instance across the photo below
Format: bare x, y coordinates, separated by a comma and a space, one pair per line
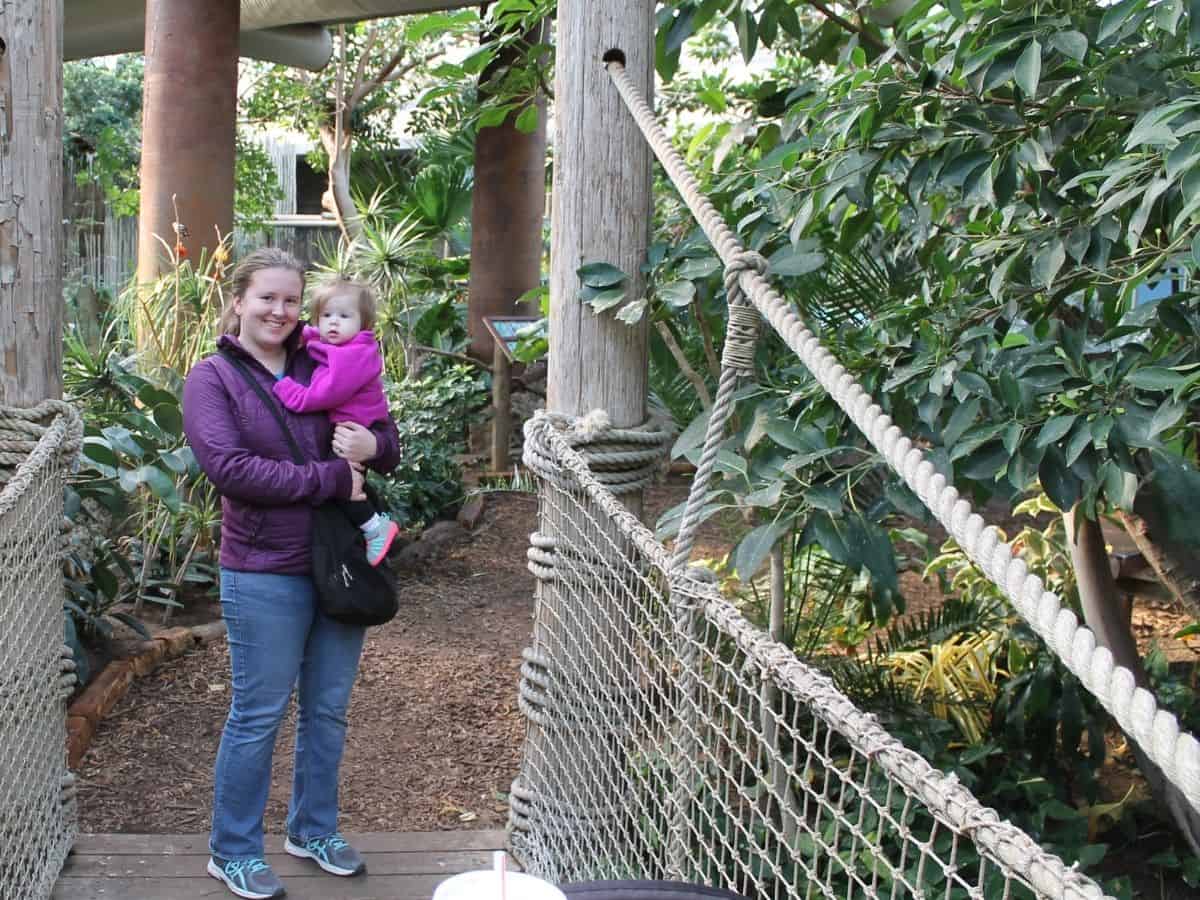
171, 867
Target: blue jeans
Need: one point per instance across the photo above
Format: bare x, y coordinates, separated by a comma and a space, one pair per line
279, 639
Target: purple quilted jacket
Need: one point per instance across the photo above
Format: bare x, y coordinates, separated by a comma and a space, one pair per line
266, 498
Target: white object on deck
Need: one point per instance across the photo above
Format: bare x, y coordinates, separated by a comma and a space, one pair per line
496, 884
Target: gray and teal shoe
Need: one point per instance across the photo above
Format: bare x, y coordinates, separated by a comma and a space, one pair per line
249, 878
331, 853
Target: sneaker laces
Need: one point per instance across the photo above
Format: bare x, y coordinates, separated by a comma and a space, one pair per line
249, 866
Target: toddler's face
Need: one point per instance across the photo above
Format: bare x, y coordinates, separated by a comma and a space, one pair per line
340, 319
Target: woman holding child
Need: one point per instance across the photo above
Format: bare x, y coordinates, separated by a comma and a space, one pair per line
332, 400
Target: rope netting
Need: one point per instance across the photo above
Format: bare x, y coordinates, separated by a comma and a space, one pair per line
38, 446
668, 737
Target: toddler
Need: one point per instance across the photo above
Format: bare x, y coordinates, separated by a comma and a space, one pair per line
346, 384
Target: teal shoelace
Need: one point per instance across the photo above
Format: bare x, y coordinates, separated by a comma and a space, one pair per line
241, 867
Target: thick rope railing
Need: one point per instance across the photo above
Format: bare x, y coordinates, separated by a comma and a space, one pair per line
1135, 709
624, 461
940, 793
38, 446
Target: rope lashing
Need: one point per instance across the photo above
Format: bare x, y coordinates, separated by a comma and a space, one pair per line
29, 438
1135, 709
624, 459
737, 360
744, 323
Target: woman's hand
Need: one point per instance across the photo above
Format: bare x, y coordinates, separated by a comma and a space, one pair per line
354, 443
356, 482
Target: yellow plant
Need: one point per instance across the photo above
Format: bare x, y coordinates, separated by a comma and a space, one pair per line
957, 677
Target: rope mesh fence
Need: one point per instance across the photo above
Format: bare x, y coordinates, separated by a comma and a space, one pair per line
37, 798
1175, 752
669, 738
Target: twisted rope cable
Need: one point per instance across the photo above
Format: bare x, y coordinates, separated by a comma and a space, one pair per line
1135, 709
737, 359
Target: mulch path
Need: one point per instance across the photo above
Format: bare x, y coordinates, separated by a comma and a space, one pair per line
435, 734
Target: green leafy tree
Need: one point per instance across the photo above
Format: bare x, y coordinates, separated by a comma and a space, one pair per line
1027, 176
102, 126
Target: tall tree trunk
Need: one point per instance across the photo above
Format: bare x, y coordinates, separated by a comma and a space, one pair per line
189, 128
31, 195
1104, 613
337, 198
508, 205
1176, 567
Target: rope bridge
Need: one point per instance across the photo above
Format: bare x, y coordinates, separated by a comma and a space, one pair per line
37, 672
668, 737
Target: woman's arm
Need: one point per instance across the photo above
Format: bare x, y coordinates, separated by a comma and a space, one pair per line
377, 446
213, 432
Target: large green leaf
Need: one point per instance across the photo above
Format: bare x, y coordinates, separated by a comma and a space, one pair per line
1155, 378
1061, 485
1174, 490
756, 545
1028, 70
600, 274
1047, 262
677, 293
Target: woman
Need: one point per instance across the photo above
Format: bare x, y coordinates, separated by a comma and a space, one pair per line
278, 637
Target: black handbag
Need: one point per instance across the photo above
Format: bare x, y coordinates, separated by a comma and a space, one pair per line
349, 589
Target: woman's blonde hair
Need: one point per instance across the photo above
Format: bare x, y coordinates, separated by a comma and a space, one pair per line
260, 259
364, 296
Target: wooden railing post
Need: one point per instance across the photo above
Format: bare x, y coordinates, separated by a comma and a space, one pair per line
600, 212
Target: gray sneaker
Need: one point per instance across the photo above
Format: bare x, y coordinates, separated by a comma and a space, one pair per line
331, 853
249, 878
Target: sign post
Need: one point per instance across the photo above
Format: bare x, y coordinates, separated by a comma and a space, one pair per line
506, 332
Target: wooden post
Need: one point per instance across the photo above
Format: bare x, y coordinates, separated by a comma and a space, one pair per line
600, 209
571, 794
508, 206
501, 407
31, 232
189, 116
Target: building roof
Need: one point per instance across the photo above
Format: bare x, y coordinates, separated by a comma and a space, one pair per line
291, 32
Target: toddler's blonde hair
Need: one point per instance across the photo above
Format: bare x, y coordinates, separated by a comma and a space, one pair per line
364, 296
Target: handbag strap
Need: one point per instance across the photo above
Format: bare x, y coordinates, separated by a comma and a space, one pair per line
269, 402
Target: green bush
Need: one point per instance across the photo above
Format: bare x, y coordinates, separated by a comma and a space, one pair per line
432, 413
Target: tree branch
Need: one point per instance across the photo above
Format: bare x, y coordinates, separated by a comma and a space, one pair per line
458, 357
361, 69
864, 35
685, 367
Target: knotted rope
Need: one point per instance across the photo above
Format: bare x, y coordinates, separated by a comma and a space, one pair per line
737, 360
1135, 709
28, 440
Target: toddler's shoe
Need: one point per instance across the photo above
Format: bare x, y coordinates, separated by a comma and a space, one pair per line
379, 540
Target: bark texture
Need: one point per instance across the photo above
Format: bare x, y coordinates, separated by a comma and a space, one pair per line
508, 205
30, 202
600, 210
189, 127
1105, 614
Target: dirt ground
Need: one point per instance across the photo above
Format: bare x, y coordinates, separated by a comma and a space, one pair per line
435, 733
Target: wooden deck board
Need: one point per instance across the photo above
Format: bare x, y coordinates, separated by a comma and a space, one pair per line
171, 867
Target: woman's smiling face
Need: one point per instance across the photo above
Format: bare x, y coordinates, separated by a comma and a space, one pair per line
269, 309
